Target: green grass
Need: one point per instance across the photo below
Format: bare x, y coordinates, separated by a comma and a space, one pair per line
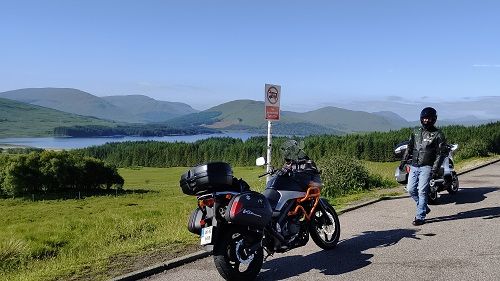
385, 169
104, 236
46, 240
472, 162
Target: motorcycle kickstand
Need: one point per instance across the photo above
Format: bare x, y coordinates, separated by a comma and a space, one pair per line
268, 254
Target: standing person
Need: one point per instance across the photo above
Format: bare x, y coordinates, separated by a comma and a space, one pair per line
427, 151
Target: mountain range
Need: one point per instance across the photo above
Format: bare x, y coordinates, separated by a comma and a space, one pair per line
129, 109
245, 115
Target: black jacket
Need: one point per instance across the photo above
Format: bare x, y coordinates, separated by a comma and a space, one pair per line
426, 147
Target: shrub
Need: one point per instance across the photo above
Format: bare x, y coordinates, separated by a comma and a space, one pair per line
13, 254
343, 175
53, 172
473, 148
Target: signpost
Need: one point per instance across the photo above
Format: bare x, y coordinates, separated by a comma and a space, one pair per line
272, 113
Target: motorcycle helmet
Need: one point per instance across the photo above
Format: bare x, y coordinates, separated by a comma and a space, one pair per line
291, 150
430, 116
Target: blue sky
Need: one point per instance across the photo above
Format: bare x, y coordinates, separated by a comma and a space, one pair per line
208, 52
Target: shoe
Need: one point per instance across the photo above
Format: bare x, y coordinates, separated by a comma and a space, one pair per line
417, 222
427, 210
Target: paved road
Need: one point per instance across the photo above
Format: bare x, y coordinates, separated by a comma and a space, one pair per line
460, 241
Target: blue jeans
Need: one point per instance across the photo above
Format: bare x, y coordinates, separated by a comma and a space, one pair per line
418, 188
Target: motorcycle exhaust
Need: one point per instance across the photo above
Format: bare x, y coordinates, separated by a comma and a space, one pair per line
433, 182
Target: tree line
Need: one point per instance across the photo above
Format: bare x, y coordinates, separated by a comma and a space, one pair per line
143, 130
377, 146
53, 172
94, 168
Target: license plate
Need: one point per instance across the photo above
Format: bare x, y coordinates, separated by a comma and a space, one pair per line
206, 235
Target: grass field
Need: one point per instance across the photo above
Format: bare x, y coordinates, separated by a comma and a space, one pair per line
99, 237
81, 239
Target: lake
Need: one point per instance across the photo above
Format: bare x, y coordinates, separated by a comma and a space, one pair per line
71, 143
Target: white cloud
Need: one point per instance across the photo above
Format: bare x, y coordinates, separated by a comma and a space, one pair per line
486, 65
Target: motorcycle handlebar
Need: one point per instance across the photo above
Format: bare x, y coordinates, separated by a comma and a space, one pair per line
265, 174
274, 171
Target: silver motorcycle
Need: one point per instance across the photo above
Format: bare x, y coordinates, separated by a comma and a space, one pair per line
447, 176
238, 225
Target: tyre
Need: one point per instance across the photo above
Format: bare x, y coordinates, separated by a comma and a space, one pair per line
229, 256
453, 188
432, 197
325, 226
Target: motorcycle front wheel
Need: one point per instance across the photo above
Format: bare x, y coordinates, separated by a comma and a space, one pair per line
324, 227
231, 258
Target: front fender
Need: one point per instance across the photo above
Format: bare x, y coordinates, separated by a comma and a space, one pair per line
324, 204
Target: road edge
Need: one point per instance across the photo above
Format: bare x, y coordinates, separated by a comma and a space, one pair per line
160, 267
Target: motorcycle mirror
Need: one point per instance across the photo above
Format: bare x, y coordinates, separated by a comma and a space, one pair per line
454, 147
261, 161
400, 149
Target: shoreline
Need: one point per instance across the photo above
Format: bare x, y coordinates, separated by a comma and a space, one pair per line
8, 145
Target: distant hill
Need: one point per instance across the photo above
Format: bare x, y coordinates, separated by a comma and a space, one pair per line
241, 113
249, 115
130, 109
148, 109
393, 118
19, 119
348, 120
71, 101
464, 121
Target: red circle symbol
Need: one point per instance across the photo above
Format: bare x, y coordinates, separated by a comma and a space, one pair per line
272, 95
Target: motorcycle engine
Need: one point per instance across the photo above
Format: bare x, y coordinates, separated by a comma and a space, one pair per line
295, 233
291, 227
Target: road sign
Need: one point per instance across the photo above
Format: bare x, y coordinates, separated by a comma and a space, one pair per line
272, 102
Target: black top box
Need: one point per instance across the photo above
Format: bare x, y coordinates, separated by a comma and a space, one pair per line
207, 178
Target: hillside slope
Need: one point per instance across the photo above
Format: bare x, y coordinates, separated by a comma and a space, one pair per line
19, 119
348, 120
149, 109
71, 101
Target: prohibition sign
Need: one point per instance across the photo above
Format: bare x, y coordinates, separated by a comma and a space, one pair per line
272, 95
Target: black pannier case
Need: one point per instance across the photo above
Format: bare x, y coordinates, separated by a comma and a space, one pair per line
249, 208
206, 178
194, 223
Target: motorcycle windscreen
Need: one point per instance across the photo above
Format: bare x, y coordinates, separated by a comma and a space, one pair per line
400, 149
249, 208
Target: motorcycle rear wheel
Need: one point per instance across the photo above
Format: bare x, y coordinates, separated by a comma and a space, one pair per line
325, 226
432, 197
229, 259
453, 188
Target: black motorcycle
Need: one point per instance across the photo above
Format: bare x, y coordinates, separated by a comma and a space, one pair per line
447, 178
239, 225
